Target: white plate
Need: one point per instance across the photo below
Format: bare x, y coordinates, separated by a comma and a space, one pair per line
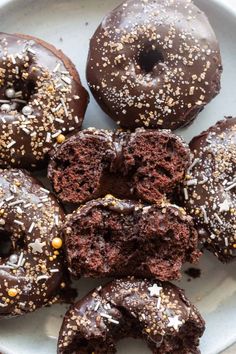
69, 25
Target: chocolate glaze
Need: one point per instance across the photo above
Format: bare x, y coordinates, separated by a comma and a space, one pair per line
29, 220
142, 240
145, 164
157, 312
154, 63
210, 198
50, 86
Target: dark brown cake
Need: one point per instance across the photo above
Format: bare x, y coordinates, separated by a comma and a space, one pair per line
210, 191
116, 238
41, 100
146, 165
159, 313
154, 63
31, 262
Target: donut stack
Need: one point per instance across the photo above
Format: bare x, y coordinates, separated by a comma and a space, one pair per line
137, 201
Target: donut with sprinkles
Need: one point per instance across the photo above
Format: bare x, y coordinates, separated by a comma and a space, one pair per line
31, 265
154, 63
156, 312
210, 190
41, 100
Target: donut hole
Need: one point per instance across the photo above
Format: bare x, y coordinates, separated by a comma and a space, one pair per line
5, 244
148, 59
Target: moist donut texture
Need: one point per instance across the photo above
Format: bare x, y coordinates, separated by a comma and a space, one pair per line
115, 238
159, 313
41, 100
210, 192
145, 165
31, 275
154, 63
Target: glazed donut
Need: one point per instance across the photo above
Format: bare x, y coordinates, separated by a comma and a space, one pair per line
31, 273
146, 165
157, 312
154, 63
116, 238
210, 191
41, 100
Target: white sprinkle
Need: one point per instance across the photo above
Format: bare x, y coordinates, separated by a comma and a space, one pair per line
20, 259
30, 50
3, 305
31, 227
226, 242
76, 120
225, 206
22, 262
55, 270
185, 194
56, 134
97, 306
27, 131
42, 277
18, 100
64, 107
230, 187
158, 303
12, 58
218, 218
11, 144
4, 101
18, 94
20, 201
113, 321
195, 162
192, 182
99, 288
204, 214
66, 72
212, 236
3, 119
48, 137
205, 179
9, 198
56, 67
59, 120
45, 190
66, 79
57, 108
143, 316
27, 205
18, 222
56, 219
105, 315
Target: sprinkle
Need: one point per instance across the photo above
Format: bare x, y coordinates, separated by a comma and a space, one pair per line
205, 179
3, 305
155, 290
56, 219
20, 201
31, 50
31, 227
57, 243
56, 134
230, 187
97, 306
12, 292
204, 214
59, 120
192, 182
105, 315
42, 277
55, 270
113, 321
66, 79
64, 107
158, 303
45, 190
11, 144
9, 198
20, 259
226, 242
37, 246
186, 196
18, 222
56, 67
218, 218
61, 138
195, 162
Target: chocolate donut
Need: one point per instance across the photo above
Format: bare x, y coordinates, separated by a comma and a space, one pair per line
41, 99
115, 238
157, 312
154, 63
31, 268
210, 192
146, 165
